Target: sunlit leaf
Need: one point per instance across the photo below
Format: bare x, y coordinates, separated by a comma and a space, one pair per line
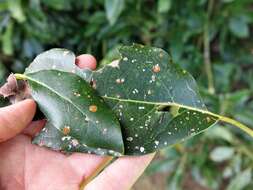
222, 153
113, 9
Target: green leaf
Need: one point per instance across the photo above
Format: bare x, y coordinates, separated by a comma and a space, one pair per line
222, 153
58, 4
113, 9
241, 180
78, 120
157, 102
239, 27
164, 6
7, 44
57, 59
15, 7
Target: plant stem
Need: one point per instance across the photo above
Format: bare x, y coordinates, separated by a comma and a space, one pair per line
96, 172
237, 124
207, 59
20, 76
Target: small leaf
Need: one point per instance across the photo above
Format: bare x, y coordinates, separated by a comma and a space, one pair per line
113, 9
222, 153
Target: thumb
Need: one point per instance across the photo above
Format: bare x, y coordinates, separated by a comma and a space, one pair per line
14, 118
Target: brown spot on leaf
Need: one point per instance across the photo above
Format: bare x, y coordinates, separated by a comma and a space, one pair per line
93, 108
66, 130
156, 68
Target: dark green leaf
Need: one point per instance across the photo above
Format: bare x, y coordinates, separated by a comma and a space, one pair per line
157, 102
78, 120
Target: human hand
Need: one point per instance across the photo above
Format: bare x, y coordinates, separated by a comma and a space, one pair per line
24, 166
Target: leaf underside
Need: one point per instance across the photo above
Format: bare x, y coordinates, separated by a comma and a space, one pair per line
145, 102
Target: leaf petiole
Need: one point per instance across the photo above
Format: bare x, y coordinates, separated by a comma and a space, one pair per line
20, 76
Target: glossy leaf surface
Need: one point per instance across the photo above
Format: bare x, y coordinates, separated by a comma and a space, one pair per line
157, 103
78, 120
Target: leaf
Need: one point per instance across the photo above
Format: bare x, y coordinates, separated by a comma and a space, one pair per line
144, 89
113, 9
239, 27
164, 6
78, 120
222, 153
57, 59
58, 4
7, 43
156, 102
15, 7
241, 180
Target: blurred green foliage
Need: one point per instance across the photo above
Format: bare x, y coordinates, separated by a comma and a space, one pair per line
212, 39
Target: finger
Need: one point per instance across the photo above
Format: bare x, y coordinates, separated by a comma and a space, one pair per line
86, 61
34, 128
14, 118
121, 174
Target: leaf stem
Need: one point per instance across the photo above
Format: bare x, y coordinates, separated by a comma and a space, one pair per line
237, 124
96, 172
20, 76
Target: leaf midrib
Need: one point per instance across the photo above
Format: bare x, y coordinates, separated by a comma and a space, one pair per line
162, 104
51, 89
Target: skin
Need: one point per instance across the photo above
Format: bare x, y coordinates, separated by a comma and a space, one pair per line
24, 166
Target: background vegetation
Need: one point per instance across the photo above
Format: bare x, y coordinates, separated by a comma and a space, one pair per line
212, 39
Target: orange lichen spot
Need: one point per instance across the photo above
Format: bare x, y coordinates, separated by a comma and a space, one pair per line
66, 130
156, 68
93, 108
